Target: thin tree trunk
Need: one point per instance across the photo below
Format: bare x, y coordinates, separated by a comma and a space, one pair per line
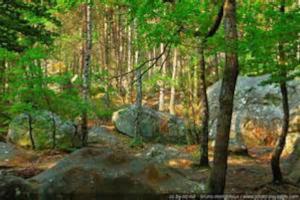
275, 159
31, 131
138, 101
149, 74
204, 162
107, 56
217, 179
138, 104
86, 68
129, 66
161, 104
195, 83
153, 56
216, 65
2, 79
173, 90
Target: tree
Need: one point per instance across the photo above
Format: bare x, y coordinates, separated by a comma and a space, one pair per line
173, 89
86, 69
161, 102
204, 161
217, 178
138, 104
275, 159
275, 56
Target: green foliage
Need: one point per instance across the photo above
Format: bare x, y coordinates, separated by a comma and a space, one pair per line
35, 91
136, 142
101, 111
264, 28
23, 24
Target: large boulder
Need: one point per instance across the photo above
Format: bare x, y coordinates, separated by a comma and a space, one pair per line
93, 172
291, 156
154, 124
42, 131
12, 156
257, 114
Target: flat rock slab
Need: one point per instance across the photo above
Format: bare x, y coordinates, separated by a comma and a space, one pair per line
96, 171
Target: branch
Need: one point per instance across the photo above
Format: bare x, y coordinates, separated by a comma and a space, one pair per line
217, 23
213, 29
155, 59
152, 65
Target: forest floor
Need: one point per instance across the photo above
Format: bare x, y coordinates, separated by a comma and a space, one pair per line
245, 175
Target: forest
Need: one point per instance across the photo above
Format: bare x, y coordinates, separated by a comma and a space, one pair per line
149, 99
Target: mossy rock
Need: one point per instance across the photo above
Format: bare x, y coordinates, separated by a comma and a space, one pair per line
42, 131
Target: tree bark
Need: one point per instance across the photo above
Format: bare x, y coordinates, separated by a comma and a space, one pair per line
86, 68
31, 130
173, 90
107, 57
138, 100
275, 159
138, 103
195, 83
217, 179
2, 78
216, 66
129, 66
161, 104
204, 162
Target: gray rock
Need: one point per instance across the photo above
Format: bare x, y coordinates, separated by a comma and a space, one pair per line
292, 146
294, 174
12, 187
91, 172
257, 114
42, 125
101, 135
153, 124
291, 156
7, 151
162, 154
12, 156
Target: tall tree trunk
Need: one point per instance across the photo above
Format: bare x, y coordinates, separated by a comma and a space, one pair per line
138, 100
86, 68
204, 162
122, 51
173, 90
138, 104
107, 57
161, 103
195, 83
216, 66
153, 53
217, 179
149, 74
275, 159
129, 66
2, 79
